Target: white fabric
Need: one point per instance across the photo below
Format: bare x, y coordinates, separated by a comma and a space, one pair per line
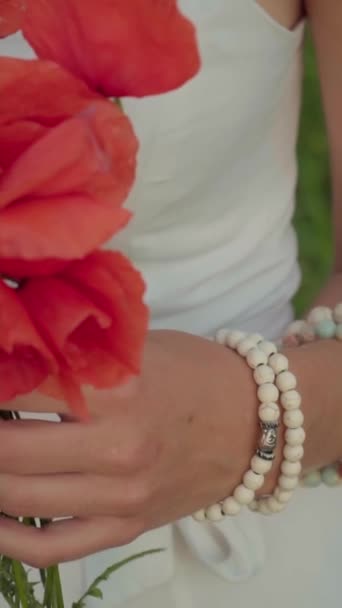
212, 235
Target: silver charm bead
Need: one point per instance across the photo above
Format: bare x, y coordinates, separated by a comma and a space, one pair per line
268, 441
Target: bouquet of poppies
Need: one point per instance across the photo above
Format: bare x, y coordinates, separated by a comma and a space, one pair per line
71, 314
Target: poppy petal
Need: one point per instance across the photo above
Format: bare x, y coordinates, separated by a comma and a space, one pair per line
109, 279
58, 201
119, 47
25, 361
41, 91
11, 16
94, 320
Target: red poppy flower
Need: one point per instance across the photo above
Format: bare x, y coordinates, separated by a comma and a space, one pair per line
25, 361
11, 16
119, 47
94, 320
67, 164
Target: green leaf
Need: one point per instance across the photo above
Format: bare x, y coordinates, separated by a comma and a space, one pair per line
15, 586
107, 573
96, 592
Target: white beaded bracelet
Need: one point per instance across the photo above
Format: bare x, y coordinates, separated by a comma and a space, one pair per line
272, 375
257, 352
293, 452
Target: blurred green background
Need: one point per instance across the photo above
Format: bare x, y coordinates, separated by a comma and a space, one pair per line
313, 217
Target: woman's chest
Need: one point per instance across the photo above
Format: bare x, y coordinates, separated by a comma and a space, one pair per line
193, 136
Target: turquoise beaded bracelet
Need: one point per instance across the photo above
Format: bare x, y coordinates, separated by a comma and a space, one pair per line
331, 476
321, 324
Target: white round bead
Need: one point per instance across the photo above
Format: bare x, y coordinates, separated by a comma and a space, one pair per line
230, 506
279, 363
338, 313
294, 419
256, 357
222, 336
320, 313
243, 495
291, 469
291, 400
245, 346
264, 374
263, 507
293, 453
214, 513
288, 483
267, 347
256, 338
253, 481
268, 393
274, 505
260, 466
283, 496
295, 436
235, 337
297, 328
269, 412
254, 506
286, 381
199, 516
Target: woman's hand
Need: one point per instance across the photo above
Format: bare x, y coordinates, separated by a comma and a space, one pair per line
159, 448
176, 439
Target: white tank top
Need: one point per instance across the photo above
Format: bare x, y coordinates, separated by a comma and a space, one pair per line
215, 192
212, 235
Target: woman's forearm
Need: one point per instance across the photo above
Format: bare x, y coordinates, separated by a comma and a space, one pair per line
318, 368
320, 372
331, 293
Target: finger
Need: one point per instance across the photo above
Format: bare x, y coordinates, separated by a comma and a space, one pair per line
65, 540
37, 448
56, 496
97, 401
37, 403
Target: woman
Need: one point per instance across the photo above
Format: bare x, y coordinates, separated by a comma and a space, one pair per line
212, 235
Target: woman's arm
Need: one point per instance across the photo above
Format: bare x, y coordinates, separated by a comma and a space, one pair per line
326, 24
319, 366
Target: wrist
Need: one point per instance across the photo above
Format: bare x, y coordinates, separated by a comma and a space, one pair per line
306, 379
317, 369
274, 381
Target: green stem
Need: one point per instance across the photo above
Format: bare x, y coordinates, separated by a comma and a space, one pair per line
20, 581
58, 588
48, 591
42, 574
53, 596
